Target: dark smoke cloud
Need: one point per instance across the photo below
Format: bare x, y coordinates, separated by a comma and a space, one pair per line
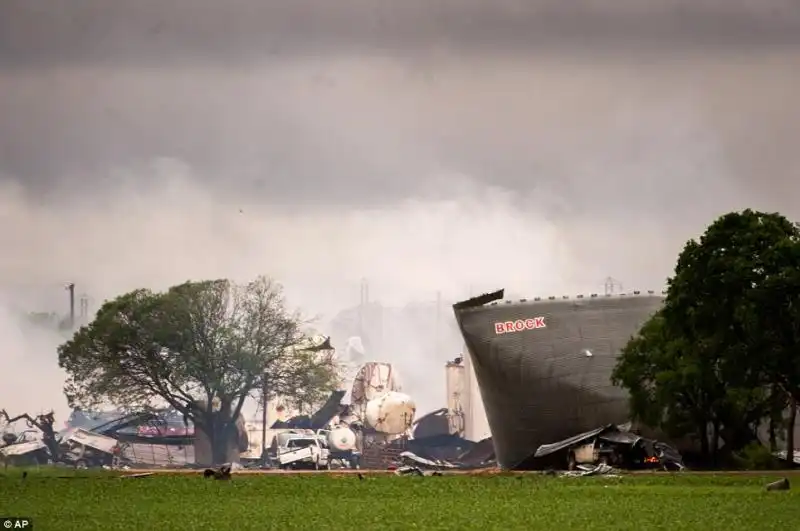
151, 31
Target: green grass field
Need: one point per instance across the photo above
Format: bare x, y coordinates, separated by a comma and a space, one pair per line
318, 501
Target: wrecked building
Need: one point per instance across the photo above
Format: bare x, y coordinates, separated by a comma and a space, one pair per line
543, 366
369, 427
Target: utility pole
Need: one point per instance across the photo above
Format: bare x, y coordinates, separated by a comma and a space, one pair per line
438, 321
71, 289
264, 404
362, 307
612, 284
84, 311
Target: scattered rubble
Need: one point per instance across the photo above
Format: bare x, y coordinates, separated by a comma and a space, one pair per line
415, 471
376, 429
408, 471
101, 445
795, 456
427, 463
781, 484
607, 445
40, 438
600, 469
222, 473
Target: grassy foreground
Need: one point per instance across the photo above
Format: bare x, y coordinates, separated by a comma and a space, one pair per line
318, 501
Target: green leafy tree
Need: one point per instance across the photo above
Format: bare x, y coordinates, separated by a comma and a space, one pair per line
677, 385
652, 368
314, 386
723, 344
770, 311
200, 347
740, 285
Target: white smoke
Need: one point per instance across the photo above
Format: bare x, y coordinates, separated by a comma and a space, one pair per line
540, 176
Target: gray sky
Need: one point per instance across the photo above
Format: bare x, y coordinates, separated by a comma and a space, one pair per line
452, 145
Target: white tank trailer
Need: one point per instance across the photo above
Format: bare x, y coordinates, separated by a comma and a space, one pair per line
342, 439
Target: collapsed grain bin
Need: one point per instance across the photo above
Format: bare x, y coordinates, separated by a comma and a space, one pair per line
543, 366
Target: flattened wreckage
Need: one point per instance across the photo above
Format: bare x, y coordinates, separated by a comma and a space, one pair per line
608, 445
105, 443
595, 452
84, 449
77, 446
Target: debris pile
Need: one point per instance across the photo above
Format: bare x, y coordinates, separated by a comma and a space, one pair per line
580, 471
608, 445
222, 473
375, 428
448, 453
415, 471
781, 484
105, 441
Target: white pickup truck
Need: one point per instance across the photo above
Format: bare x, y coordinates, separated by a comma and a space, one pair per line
304, 452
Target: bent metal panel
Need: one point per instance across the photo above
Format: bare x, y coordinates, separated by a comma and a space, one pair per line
544, 367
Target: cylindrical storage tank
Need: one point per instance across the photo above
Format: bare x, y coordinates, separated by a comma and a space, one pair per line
372, 381
544, 366
391, 413
342, 439
455, 382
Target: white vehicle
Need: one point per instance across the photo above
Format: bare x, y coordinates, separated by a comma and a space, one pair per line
304, 452
85, 448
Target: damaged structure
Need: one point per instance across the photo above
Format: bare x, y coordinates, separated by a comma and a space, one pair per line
372, 425
611, 445
108, 443
543, 366
353, 429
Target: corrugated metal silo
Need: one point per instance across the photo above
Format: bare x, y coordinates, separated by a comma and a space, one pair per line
543, 366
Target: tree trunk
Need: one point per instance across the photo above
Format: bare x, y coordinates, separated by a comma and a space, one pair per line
219, 439
715, 443
53, 448
220, 442
777, 410
50, 440
225, 441
703, 433
790, 431
773, 440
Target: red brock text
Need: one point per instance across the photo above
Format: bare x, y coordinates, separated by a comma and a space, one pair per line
519, 325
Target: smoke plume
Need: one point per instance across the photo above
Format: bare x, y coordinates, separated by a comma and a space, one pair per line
417, 159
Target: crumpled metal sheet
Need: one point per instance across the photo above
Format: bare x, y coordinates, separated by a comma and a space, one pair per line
590, 470
782, 455
21, 448
428, 463
668, 457
415, 471
547, 449
101, 443
619, 436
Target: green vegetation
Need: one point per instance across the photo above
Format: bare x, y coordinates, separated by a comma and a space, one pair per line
200, 347
720, 359
101, 501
